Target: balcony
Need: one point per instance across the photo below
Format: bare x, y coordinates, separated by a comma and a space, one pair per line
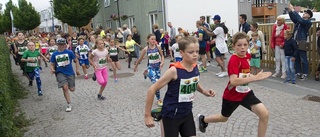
265, 12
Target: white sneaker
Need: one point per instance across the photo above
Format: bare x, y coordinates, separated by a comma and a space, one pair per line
223, 74
284, 76
208, 64
217, 74
69, 108
275, 75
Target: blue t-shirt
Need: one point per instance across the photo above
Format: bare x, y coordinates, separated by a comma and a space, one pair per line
202, 43
63, 61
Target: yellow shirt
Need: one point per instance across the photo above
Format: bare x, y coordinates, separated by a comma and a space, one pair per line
130, 45
102, 34
37, 45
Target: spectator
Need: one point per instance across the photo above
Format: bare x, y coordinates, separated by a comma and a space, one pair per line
137, 39
277, 43
254, 28
157, 33
206, 38
172, 33
243, 26
318, 49
301, 28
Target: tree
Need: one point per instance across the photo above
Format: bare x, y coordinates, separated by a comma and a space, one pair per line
26, 17
74, 12
316, 5
302, 3
6, 19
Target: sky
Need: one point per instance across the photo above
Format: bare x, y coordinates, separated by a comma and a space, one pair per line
37, 4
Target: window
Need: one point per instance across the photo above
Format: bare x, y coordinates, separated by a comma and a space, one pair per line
153, 19
65, 28
109, 24
249, 0
106, 3
131, 22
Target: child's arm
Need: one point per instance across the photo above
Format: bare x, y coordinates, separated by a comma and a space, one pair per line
91, 56
208, 93
169, 75
121, 48
140, 59
162, 57
52, 66
236, 81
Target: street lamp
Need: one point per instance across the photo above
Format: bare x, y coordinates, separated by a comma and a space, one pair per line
51, 3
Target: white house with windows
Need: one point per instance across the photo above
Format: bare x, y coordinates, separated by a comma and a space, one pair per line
46, 21
183, 13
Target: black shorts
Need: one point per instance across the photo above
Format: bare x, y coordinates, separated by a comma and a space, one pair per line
229, 106
114, 58
218, 53
202, 50
185, 126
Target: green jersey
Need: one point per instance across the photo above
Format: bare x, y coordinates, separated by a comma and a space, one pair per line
30, 66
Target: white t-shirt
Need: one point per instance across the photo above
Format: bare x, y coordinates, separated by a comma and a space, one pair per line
220, 40
176, 51
100, 58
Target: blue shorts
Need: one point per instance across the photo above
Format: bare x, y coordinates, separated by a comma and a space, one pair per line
84, 61
218, 53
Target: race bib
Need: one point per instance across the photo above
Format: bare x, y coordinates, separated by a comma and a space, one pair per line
83, 51
62, 60
32, 64
243, 88
102, 62
51, 50
130, 47
113, 51
188, 88
154, 58
21, 50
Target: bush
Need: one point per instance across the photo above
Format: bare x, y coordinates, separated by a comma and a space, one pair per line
10, 92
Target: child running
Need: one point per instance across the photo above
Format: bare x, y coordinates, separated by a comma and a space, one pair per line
82, 52
32, 58
113, 51
61, 65
176, 50
183, 81
20, 46
99, 59
155, 62
130, 43
52, 48
238, 91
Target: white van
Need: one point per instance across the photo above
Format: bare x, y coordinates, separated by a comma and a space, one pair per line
315, 17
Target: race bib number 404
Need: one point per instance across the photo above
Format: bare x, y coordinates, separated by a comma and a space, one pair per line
62, 60
187, 89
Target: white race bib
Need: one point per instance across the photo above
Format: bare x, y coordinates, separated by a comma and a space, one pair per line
62, 60
187, 89
243, 88
32, 64
21, 50
102, 62
154, 58
113, 52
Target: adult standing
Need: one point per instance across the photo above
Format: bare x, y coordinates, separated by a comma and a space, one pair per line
243, 26
172, 33
300, 34
157, 33
254, 28
137, 39
221, 46
206, 38
277, 43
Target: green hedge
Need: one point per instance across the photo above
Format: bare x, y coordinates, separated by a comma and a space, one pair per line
11, 118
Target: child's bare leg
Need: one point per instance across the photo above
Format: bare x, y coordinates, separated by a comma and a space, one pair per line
261, 111
215, 118
118, 66
84, 69
162, 129
66, 93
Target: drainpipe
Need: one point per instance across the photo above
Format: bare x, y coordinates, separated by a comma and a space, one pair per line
163, 14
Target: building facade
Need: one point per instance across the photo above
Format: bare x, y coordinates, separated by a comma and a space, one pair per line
182, 13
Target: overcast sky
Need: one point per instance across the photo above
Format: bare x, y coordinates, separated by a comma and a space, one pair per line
37, 4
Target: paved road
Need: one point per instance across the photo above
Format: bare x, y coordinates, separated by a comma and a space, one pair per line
121, 115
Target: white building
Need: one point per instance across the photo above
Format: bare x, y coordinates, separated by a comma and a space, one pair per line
46, 21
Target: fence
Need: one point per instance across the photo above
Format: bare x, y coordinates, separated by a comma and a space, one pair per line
268, 60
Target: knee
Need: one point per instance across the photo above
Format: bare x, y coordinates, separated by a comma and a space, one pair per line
72, 89
264, 115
